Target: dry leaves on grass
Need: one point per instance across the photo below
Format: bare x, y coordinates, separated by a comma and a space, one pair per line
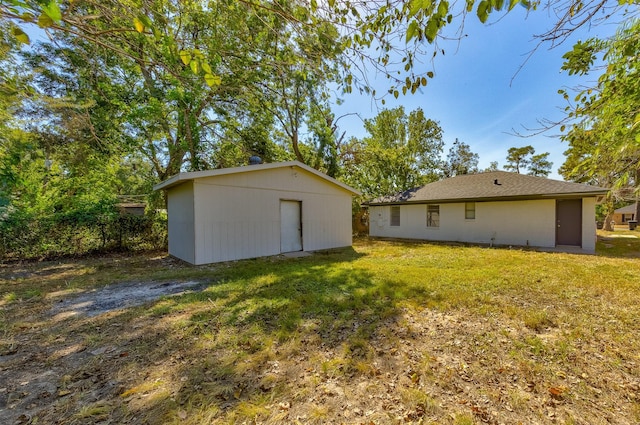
383, 346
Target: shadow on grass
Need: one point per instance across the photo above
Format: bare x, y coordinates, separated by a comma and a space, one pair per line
258, 311
318, 310
213, 352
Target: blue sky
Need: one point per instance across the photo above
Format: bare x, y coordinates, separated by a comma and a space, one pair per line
476, 95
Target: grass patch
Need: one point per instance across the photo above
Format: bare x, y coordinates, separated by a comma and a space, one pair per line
9, 297
428, 333
95, 411
619, 243
538, 320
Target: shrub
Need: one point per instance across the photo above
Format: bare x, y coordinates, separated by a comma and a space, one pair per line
98, 228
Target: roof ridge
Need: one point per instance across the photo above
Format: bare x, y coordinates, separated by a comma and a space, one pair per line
192, 175
493, 185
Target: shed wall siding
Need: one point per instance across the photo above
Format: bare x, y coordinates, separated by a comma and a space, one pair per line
507, 222
589, 224
287, 179
180, 210
238, 216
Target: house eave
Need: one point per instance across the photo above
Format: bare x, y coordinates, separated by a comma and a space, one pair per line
573, 195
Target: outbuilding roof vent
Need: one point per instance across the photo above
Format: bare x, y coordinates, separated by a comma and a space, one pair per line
255, 160
496, 182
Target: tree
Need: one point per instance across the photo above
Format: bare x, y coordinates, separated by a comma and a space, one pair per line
493, 166
581, 167
539, 165
15, 143
400, 153
294, 94
272, 81
460, 160
518, 158
604, 140
326, 143
374, 32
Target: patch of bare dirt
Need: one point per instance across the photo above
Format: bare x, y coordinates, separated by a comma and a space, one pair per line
114, 297
41, 371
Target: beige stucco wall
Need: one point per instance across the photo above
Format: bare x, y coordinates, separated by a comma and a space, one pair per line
238, 216
503, 223
518, 223
180, 213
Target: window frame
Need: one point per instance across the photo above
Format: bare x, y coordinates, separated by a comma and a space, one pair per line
431, 210
393, 215
469, 213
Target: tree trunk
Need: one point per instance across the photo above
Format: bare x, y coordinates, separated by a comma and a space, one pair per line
636, 216
607, 222
296, 148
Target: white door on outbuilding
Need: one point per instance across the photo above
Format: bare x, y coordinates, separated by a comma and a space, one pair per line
290, 226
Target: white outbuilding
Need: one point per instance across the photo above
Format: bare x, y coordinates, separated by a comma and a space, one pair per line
255, 211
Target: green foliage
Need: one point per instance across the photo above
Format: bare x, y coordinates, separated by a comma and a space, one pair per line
372, 33
117, 113
460, 160
580, 59
540, 165
493, 166
604, 140
325, 143
400, 153
98, 227
263, 81
61, 200
519, 159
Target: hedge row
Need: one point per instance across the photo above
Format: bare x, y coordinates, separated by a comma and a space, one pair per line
27, 237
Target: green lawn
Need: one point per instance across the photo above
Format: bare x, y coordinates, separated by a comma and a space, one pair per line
384, 332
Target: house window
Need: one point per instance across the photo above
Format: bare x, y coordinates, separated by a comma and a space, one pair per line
395, 216
470, 210
433, 215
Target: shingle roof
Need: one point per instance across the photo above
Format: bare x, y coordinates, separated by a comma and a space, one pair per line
629, 209
495, 185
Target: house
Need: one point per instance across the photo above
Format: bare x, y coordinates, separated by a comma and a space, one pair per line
624, 214
498, 208
131, 208
255, 211
132, 205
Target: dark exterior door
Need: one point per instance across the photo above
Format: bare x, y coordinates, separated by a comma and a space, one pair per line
569, 222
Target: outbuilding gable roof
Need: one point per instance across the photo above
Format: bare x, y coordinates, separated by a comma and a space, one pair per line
183, 177
490, 186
